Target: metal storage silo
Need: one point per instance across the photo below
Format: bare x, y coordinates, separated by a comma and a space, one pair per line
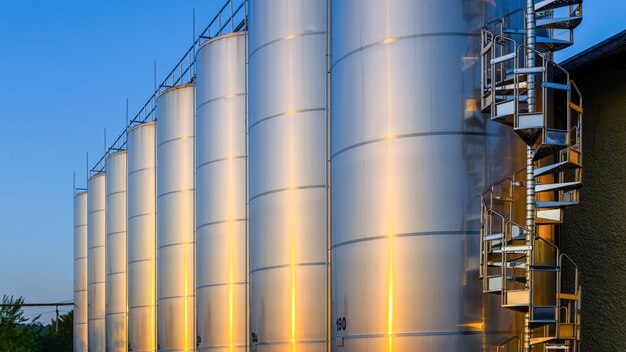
221, 219
116, 307
405, 184
175, 220
80, 272
96, 276
288, 175
142, 237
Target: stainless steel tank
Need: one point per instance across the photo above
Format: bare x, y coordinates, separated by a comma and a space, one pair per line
142, 237
96, 275
409, 153
221, 185
288, 175
116, 304
80, 272
175, 220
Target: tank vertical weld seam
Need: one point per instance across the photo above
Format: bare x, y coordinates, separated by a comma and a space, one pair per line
175, 139
416, 134
288, 37
219, 222
286, 113
287, 189
176, 191
408, 234
228, 96
413, 36
142, 169
282, 266
221, 284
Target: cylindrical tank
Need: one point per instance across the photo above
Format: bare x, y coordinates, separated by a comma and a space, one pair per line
80, 272
96, 276
116, 307
175, 220
221, 219
142, 237
288, 175
406, 183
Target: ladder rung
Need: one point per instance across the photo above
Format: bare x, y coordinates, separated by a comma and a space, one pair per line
504, 58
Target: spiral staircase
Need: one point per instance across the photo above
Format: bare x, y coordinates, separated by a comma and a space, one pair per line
522, 87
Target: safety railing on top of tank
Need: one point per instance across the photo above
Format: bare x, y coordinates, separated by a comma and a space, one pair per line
231, 17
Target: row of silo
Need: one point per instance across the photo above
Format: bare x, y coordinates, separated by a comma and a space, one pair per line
216, 201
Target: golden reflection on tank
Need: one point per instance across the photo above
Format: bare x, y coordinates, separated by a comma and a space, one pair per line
288, 175
116, 289
96, 276
142, 237
175, 219
408, 158
221, 185
80, 272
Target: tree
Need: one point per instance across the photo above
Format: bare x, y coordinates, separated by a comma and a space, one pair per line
15, 336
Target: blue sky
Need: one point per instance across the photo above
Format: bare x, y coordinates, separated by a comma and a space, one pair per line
67, 68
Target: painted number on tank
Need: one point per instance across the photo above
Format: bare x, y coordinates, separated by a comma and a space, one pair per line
341, 323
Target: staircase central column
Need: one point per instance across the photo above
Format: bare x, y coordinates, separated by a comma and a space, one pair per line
530, 179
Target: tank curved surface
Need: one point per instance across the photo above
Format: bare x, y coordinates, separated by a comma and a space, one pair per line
175, 220
116, 304
288, 175
142, 237
80, 272
406, 183
96, 275
221, 185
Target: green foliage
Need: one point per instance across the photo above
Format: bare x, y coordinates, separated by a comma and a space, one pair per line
19, 334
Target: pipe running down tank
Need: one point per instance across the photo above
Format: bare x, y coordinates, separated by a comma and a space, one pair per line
116, 307
288, 175
80, 272
142, 237
175, 220
96, 277
221, 185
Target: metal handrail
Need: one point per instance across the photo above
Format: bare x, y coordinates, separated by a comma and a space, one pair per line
184, 71
508, 341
